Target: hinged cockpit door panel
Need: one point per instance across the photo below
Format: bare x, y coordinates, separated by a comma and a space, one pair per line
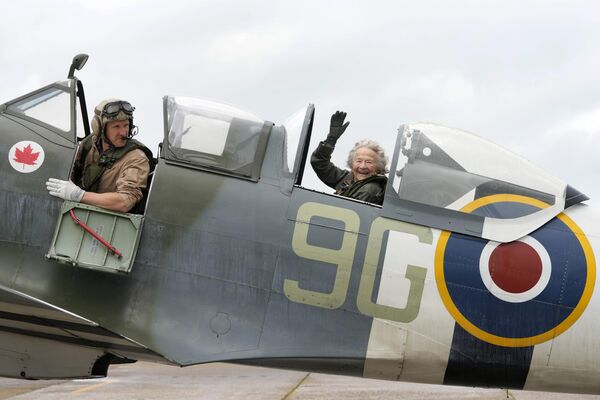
111, 245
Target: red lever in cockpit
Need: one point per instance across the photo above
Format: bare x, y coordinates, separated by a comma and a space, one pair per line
99, 238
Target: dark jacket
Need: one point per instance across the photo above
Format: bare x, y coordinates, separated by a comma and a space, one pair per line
371, 189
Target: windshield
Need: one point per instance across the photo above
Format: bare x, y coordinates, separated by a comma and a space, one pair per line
51, 106
293, 128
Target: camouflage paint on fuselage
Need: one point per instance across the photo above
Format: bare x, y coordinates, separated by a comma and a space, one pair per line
266, 272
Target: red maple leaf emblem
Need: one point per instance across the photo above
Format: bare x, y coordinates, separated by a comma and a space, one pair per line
26, 156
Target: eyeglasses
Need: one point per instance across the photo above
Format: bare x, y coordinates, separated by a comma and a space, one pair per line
111, 110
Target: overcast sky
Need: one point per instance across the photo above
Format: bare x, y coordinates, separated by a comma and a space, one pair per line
523, 74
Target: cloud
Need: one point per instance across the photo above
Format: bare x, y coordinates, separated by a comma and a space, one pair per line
108, 6
523, 75
586, 123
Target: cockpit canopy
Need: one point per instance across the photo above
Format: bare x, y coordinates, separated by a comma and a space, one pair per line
438, 171
439, 166
204, 134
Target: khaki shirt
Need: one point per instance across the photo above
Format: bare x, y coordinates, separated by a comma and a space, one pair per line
127, 177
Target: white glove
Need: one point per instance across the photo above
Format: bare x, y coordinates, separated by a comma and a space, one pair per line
66, 190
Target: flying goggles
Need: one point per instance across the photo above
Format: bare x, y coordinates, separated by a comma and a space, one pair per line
111, 110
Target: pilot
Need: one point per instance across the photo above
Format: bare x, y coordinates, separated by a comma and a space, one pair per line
367, 162
111, 169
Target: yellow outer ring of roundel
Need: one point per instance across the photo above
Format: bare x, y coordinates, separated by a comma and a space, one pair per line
525, 341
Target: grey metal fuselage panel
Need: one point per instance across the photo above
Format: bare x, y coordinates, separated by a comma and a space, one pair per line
208, 279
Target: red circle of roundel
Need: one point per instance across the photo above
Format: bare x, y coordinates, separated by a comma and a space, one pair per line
515, 267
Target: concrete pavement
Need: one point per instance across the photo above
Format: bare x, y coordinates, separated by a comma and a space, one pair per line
228, 381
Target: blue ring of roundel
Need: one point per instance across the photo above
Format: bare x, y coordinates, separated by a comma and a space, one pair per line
516, 320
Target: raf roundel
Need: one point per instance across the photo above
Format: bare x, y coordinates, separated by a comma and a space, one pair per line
26, 156
520, 293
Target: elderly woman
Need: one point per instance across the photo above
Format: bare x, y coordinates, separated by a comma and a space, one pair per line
367, 162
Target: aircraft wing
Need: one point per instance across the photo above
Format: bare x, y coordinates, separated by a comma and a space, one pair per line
39, 340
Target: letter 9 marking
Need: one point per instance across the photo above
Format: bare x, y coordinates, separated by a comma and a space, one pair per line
342, 257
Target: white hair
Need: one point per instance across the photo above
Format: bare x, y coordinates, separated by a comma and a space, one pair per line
382, 160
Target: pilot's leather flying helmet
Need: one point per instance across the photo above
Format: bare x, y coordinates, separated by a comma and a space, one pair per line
111, 110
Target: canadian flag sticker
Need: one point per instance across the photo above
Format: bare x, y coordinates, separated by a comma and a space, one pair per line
26, 156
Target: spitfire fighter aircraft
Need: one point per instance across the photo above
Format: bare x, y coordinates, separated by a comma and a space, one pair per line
479, 269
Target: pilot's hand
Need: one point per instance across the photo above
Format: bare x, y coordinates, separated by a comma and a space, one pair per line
337, 126
66, 190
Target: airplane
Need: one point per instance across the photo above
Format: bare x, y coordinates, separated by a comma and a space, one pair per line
479, 269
